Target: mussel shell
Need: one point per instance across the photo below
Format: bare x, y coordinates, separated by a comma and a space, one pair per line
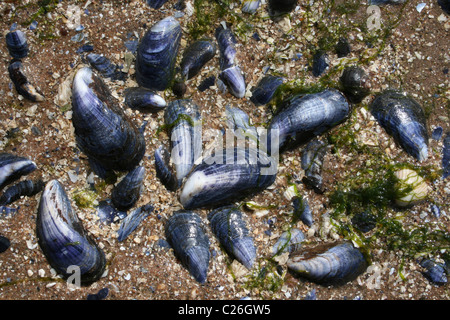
183, 119
250, 6
312, 162
278, 8
434, 271
5, 243
320, 63
227, 176
157, 53
19, 78
289, 241
355, 84
302, 211
105, 67
156, 4
234, 80
445, 5
133, 220
229, 226
164, 171
17, 44
331, 264
227, 47
263, 93
12, 167
196, 56
102, 130
23, 188
144, 100
186, 234
342, 48
304, 117
403, 118
63, 239
127, 192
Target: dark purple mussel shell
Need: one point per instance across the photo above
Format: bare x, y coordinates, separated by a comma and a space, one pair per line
329, 264
196, 56
133, 220
263, 93
278, 8
164, 170
19, 77
102, 130
229, 226
17, 44
23, 188
127, 192
186, 234
231, 74
304, 117
355, 84
156, 4
227, 176
64, 241
12, 167
183, 119
144, 100
404, 119
157, 54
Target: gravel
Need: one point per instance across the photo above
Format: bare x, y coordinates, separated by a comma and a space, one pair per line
413, 57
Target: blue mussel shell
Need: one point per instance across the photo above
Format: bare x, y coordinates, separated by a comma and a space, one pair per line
157, 53
404, 119
186, 234
62, 238
229, 226
102, 130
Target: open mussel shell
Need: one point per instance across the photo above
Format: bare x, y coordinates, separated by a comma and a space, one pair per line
19, 77
304, 117
127, 192
183, 119
230, 228
102, 130
63, 239
12, 167
404, 119
227, 176
17, 44
196, 56
330, 264
157, 53
186, 234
